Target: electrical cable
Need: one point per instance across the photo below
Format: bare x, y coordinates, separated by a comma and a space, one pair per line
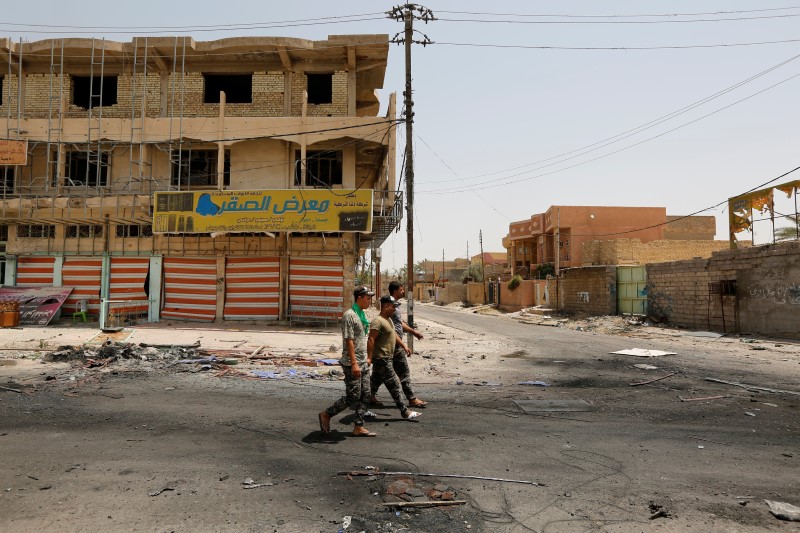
485, 186
788, 8
616, 48
551, 22
625, 134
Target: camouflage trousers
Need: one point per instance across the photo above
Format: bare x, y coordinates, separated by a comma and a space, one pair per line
356, 394
403, 372
383, 374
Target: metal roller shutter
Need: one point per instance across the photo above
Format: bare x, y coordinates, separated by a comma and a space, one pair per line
128, 278
190, 289
35, 271
316, 287
251, 288
83, 274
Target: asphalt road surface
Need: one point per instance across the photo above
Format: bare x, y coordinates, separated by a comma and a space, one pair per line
169, 450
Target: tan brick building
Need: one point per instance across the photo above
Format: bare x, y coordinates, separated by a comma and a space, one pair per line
121, 134
606, 235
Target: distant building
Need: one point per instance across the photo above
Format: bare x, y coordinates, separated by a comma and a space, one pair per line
590, 235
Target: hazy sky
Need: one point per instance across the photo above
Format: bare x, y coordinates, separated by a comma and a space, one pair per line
503, 132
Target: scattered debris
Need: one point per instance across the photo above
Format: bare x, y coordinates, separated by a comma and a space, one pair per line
11, 390
709, 334
704, 398
646, 367
534, 383
752, 387
428, 503
784, 511
748, 413
641, 352
412, 474
159, 491
657, 511
652, 380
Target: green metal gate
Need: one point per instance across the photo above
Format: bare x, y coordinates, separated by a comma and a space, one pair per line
631, 291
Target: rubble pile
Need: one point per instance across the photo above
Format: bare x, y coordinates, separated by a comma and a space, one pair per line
110, 352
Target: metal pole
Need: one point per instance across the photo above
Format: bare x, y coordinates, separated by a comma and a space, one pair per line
483, 266
557, 244
408, 18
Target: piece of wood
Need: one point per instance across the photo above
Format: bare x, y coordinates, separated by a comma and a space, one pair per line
421, 474
652, 380
753, 387
258, 350
430, 503
701, 399
11, 390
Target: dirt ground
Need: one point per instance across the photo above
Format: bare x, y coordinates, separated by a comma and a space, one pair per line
126, 437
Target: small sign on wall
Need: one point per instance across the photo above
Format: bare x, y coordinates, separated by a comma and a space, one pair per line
583, 297
13, 152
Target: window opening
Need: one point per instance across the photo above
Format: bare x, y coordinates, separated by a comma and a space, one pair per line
238, 88
134, 230
198, 168
83, 231
36, 231
323, 168
81, 169
7, 179
86, 91
320, 88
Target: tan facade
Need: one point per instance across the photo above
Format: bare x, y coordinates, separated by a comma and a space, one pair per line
108, 124
532, 242
635, 252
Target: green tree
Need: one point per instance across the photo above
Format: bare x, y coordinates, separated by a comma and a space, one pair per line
474, 272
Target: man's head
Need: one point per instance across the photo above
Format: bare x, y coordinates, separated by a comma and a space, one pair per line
388, 305
363, 296
396, 290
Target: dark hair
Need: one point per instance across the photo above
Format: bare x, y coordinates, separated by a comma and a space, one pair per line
394, 286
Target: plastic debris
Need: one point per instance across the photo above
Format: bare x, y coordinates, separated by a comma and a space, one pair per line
534, 383
328, 362
784, 511
641, 352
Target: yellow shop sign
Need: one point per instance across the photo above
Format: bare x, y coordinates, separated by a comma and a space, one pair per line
299, 210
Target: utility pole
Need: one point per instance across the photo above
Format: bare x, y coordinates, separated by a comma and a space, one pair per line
483, 266
408, 13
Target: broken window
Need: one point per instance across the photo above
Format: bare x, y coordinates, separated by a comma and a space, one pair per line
36, 231
238, 88
6, 179
94, 91
84, 168
320, 88
198, 168
134, 230
323, 168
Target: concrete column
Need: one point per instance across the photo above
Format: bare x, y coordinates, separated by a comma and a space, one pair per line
154, 304
105, 277
220, 313
11, 272
58, 271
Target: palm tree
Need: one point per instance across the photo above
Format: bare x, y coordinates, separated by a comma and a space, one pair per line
788, 233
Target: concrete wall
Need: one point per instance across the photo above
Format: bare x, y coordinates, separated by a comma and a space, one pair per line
588, 291
690, 228
475, 293
521, 297
635, 252
767, 297
453, 292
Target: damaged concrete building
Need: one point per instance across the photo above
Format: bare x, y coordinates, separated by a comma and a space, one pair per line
233, 179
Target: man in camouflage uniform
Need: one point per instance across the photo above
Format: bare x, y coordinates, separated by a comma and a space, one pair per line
355, 364
380, 350
401, 353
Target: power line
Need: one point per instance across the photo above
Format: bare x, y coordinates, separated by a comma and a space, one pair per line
617, 48
485, 186
788, 8
197, 30
668, 21
188, 28
628, 133
676, 219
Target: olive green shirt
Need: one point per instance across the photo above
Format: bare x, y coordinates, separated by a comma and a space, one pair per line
386, 339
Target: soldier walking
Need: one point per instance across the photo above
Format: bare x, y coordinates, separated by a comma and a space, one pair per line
355, 364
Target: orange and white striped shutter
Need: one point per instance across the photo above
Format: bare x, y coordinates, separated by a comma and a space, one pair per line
127, 283
316, 285
83, 274
35, 271
251, 288
190, 288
